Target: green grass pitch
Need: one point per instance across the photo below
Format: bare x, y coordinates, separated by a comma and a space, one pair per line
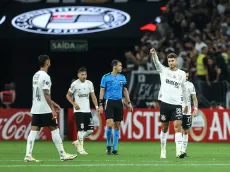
134, 157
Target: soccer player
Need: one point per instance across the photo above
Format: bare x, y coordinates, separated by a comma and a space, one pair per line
172, 87
187, 117
80, 90
44, 112
113, 87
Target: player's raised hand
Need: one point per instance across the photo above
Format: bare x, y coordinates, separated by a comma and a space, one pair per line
76, 106
152, 51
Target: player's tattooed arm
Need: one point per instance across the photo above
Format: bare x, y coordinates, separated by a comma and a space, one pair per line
48, 98
195, 101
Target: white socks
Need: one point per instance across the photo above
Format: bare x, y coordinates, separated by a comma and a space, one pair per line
87, 133
58, 141
178, 141
163, 137
185, 142
30, 142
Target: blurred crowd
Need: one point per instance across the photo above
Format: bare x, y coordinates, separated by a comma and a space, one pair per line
198, 31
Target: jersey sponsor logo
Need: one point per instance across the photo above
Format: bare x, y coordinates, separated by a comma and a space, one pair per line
83, 95
70, 20
176, 84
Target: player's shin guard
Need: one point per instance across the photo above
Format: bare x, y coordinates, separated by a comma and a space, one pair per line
108, 136
178, 140
30, 142
163, 137
185, 143
115, 139
58, 142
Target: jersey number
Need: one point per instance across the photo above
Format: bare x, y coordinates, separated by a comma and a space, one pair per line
37, 94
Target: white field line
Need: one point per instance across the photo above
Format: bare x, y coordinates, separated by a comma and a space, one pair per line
107, 165
124, 161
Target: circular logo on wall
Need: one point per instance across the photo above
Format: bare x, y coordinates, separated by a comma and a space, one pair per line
97, 125
70, 20
199, 127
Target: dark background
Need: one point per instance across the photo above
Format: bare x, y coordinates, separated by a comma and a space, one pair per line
19, 51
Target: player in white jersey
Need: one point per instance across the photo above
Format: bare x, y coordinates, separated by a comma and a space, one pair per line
172, 87
187, 118
80, 90
44, 112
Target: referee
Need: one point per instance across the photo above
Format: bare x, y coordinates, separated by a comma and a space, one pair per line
113, 87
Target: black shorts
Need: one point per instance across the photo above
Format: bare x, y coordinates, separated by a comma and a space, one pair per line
114, 110
43, 120
84, 121
169, 112
187, 121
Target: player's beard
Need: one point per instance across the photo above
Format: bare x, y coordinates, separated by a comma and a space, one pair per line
172, 67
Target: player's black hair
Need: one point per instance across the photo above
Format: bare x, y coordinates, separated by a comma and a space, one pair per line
42, 59
172, 55
82, 69
115, 62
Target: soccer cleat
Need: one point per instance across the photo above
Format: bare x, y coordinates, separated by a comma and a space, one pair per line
30, 159
185, 155
67, 157
108, 150
83, 152
163, 154
114, 152
79, 148
181, 156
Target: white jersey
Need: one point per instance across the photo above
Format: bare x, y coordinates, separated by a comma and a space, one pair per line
172, 83
81, 91
190, 91
41, 81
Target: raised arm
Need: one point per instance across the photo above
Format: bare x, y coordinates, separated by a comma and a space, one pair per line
157, 63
